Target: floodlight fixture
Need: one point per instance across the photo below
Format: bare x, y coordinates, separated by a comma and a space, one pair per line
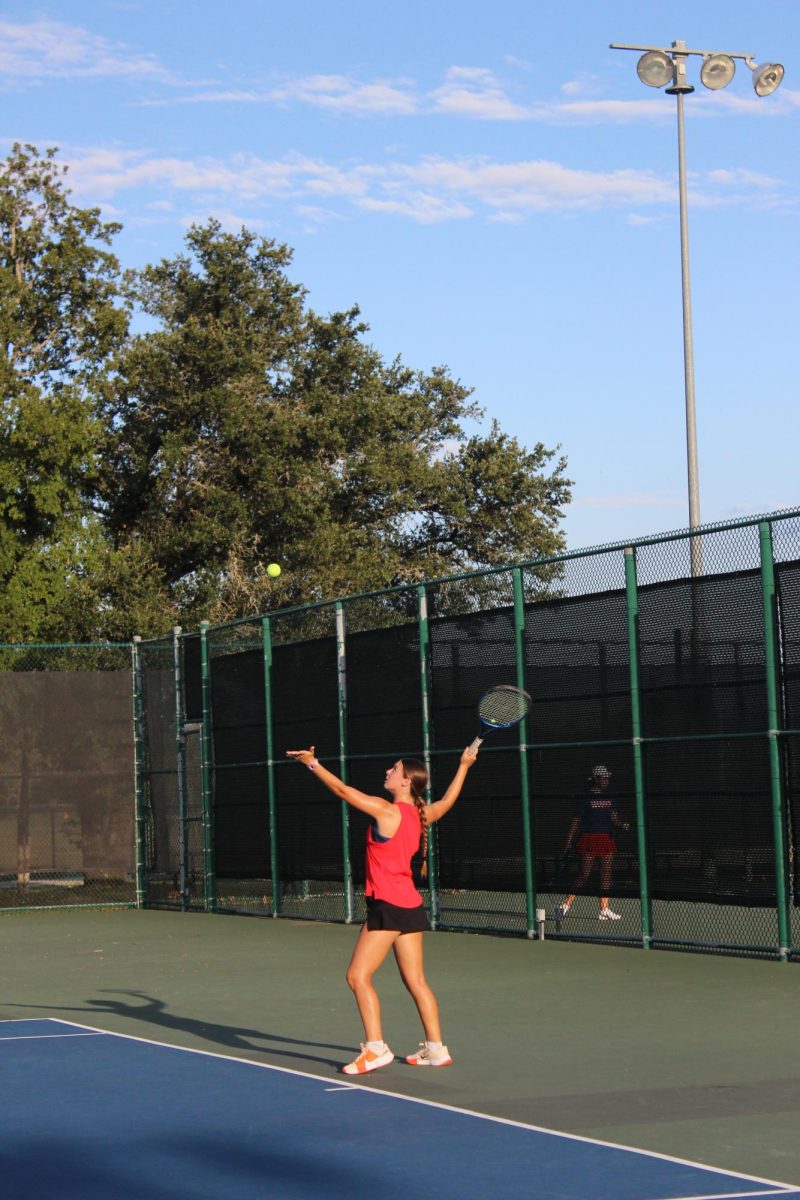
717, 71
766, 78
655, 68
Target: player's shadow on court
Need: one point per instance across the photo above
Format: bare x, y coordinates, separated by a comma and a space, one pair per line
233, 1037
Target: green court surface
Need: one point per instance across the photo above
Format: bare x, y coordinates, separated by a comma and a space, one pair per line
687, 1055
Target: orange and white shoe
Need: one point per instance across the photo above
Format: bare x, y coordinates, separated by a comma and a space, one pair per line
368, 1060
426, 1057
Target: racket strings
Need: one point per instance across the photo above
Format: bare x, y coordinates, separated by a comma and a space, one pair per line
503, 705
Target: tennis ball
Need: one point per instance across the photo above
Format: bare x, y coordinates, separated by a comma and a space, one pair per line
273, 570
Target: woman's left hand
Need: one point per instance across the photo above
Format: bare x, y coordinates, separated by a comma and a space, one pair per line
468, 757
304, 756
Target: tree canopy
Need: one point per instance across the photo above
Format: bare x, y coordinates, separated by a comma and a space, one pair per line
61, 322
148, 478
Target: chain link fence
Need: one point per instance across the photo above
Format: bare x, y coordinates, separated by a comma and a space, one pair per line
673, 662
66, 777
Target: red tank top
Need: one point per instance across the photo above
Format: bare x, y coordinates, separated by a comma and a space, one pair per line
389, 863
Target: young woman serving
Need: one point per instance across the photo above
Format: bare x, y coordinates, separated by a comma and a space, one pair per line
396, 918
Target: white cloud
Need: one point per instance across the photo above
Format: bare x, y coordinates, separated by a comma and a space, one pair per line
475, 92
33, 51
333, 93
98, 173
617, 112
339, 93
230, 222
740, 175
536, 185
419, 206
584, 85
427, 190
470, 93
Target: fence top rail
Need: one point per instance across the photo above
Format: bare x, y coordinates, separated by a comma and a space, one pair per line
65, 645
654, 539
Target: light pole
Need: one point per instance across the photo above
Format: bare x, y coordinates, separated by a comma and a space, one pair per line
658, 66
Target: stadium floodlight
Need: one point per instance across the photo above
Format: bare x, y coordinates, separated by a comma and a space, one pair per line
766, 78
717, 71
658, 66
655, 69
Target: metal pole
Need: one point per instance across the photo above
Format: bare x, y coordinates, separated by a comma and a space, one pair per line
207, 753
341, 684
274, 865
427, 743
632, 604
180, 767
773, 722
688, 346
139, 758
519, 648
679, 89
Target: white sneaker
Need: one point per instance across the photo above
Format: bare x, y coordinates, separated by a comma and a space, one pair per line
606, 914
425, 1057
368, 1060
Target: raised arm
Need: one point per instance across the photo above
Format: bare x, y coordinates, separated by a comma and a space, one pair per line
437, 810
374, 806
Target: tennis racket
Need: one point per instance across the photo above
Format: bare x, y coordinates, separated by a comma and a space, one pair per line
501, 707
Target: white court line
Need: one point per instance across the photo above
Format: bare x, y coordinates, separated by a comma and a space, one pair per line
340, 1088
734, 1195
781, 1189
43, 1037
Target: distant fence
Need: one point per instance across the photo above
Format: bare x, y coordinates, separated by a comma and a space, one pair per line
674, 661
66, 776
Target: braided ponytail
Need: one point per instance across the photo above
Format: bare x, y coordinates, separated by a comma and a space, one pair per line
417, 775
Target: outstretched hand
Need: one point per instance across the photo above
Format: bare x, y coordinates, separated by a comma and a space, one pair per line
303, 756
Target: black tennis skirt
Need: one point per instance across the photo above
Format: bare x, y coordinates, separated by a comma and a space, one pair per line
382, 915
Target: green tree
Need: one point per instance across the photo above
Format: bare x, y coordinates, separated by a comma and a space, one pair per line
61, 322
247, 429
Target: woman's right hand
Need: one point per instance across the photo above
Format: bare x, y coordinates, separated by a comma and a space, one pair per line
304, 756
468, 757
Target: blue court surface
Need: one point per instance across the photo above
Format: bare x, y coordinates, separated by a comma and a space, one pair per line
90, 1115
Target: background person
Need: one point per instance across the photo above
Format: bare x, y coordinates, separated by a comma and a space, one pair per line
594, 817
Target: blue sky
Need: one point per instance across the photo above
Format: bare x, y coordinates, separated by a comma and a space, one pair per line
492, 185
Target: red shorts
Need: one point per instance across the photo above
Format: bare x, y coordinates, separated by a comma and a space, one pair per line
598, 844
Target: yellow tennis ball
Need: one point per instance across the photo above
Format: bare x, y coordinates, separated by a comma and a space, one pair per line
273, 570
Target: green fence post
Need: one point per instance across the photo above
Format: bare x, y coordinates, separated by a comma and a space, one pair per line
341, 688
773, 723
139, 765
519, 650
632, 604
180, 767
274, 865
427, 743
206, 751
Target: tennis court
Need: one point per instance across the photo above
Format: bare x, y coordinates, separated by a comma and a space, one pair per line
282, 1133
580, 1071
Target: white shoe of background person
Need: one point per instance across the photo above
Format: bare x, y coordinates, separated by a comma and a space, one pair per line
606, 914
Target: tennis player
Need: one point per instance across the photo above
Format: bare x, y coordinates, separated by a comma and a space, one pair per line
594, 817
396, 918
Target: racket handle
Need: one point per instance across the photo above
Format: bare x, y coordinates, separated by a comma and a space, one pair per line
473, 746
